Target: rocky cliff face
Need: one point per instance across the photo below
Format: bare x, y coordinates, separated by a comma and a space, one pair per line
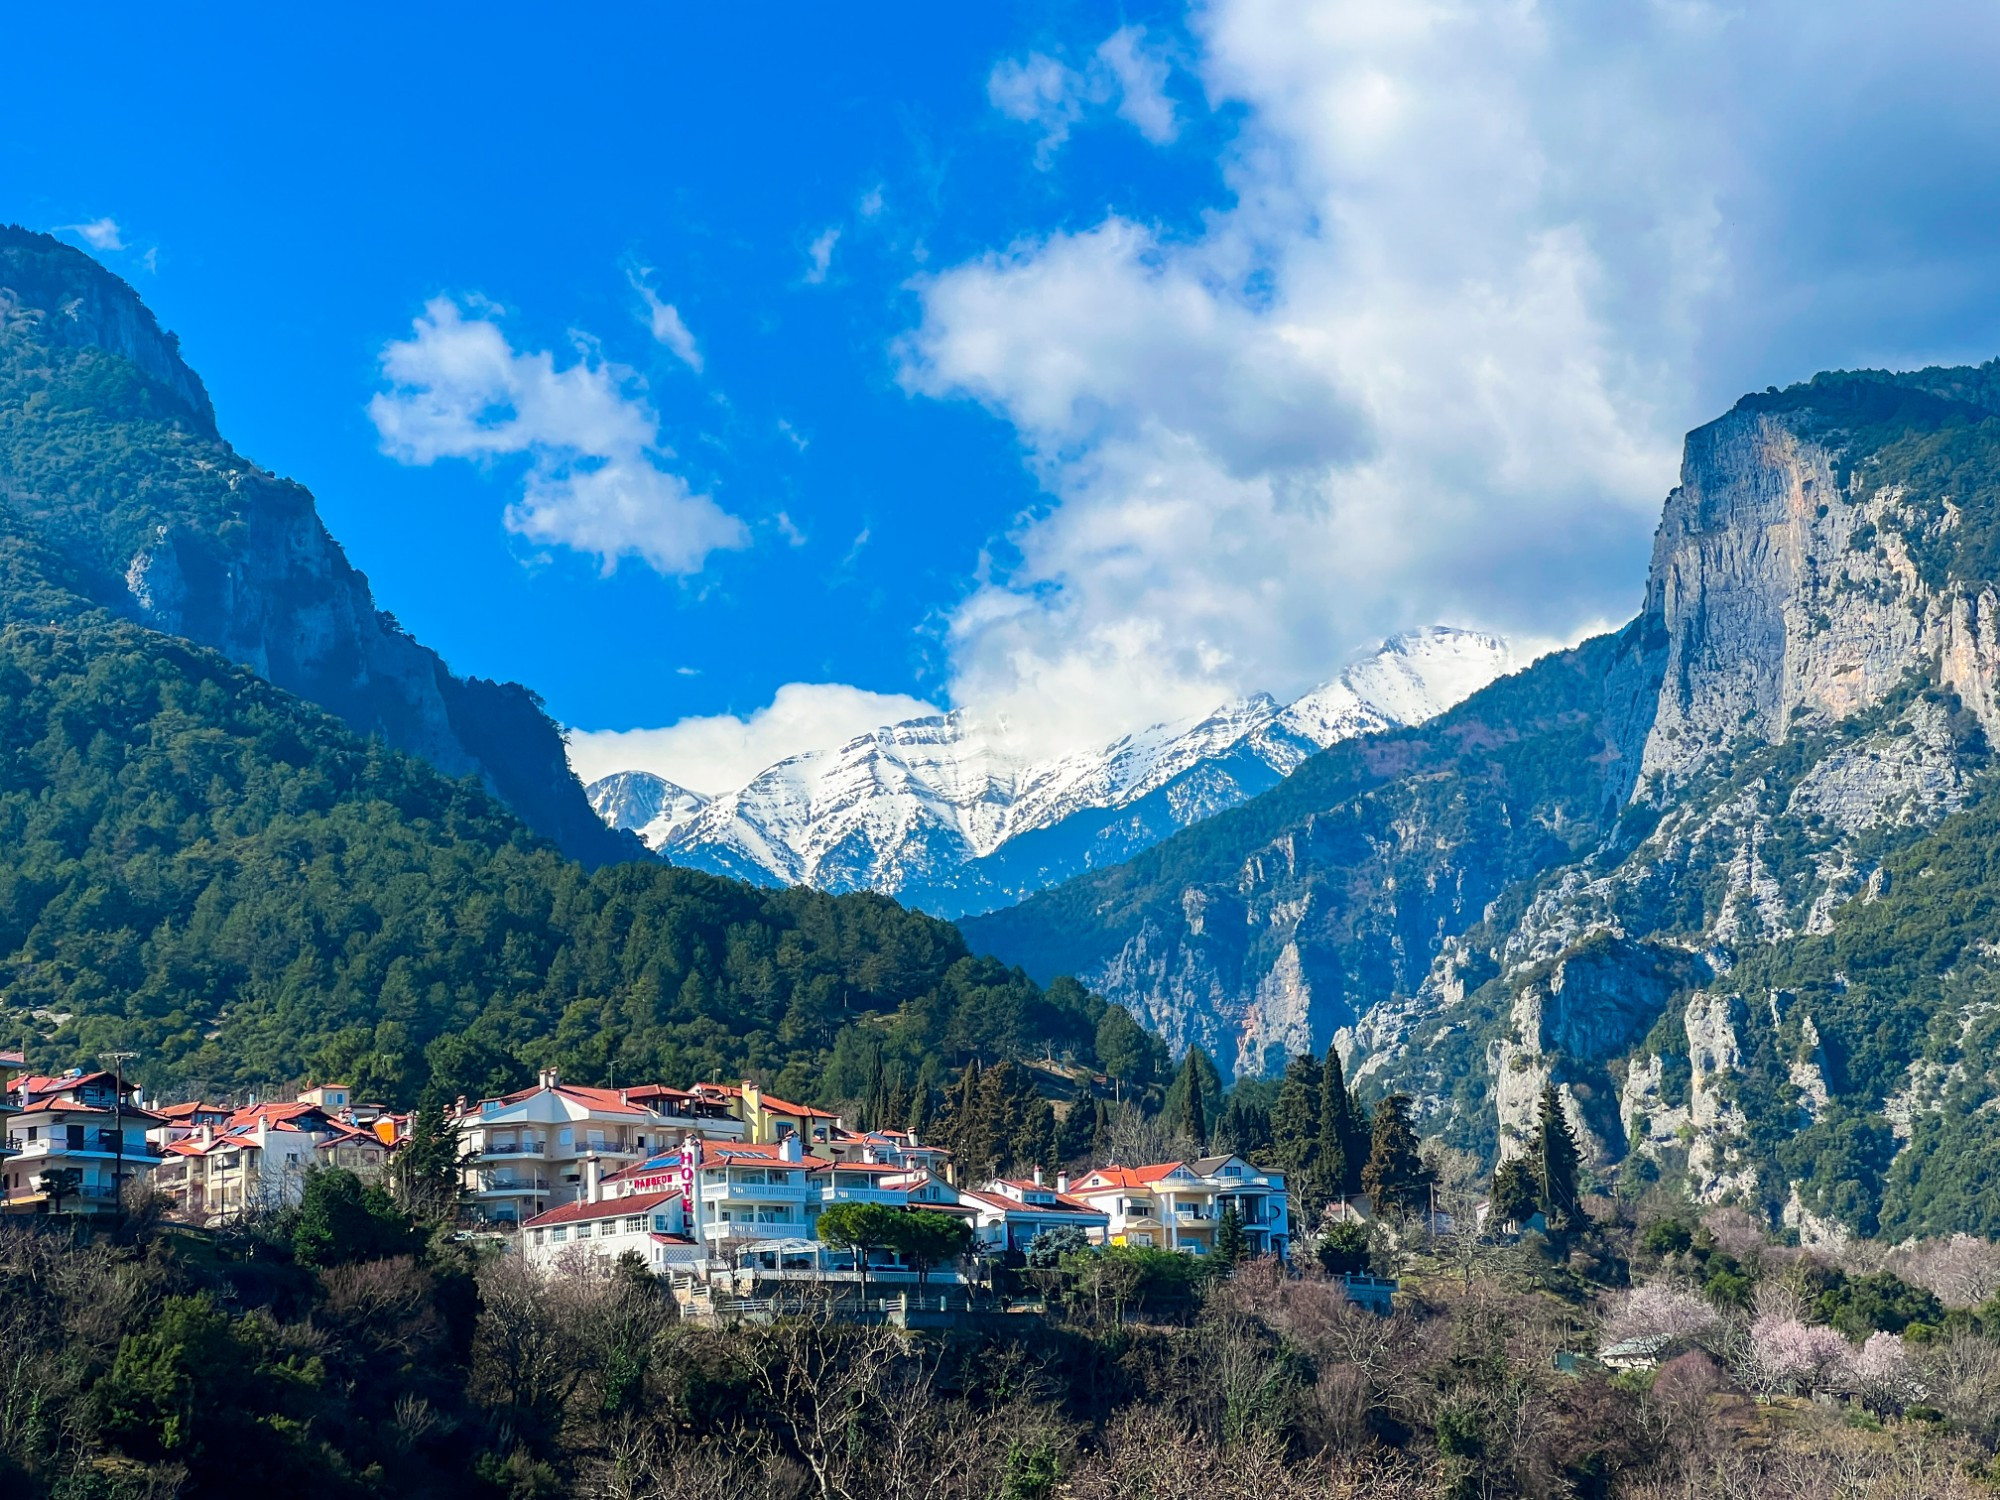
1809, 687
161, 520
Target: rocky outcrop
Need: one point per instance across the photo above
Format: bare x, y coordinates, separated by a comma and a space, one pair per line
218, 551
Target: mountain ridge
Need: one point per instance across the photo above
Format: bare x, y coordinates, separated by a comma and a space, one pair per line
943, 813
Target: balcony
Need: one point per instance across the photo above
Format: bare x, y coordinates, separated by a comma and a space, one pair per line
514, 1148
754, 1192
501, 1186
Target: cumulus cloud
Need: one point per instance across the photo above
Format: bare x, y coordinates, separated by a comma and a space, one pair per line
664, 319
1480, 268
717, 753
459, 389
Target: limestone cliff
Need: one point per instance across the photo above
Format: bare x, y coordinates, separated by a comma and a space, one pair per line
1563, 880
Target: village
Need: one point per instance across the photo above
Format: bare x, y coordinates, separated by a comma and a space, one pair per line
740, 1201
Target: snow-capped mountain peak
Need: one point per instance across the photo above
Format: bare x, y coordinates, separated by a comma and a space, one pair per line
946, 813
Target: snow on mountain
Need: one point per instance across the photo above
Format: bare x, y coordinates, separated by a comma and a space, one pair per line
948, 814
648, 805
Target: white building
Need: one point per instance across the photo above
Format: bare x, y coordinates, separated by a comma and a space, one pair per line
525, 1151
1179, 1205
588, 1236
81, 1123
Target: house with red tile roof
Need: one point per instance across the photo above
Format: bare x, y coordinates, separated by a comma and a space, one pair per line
1010, 1212
1179, 1205
78, 1141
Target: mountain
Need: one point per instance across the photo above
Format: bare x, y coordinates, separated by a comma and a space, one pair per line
648, 805
203, 865
1723, 877
946, 814
110, 459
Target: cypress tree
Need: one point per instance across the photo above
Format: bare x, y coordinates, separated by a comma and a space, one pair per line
1337, 1145
1556, 1162
1193, 1119
1230, 1243
1395, 1176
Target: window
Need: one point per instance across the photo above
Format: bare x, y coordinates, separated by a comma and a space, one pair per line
558, 1234
637, 1224
752, 1179
539, 1235
770, 1214
566, 1136
659, 1223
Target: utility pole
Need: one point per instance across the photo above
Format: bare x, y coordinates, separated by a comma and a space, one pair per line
118, 1061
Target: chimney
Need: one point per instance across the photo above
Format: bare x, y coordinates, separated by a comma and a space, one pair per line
550, 1078
789, 1149
1038, 1177
593, 1179
1062, 1182
205, 1134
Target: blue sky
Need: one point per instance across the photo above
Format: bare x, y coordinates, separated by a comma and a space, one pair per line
1082, 363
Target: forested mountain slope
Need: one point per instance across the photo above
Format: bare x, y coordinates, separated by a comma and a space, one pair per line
110, 459
200, 865
1692, 911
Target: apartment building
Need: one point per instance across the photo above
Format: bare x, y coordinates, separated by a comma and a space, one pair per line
526, 1151
1179, 1205
256, 1159
76, 1140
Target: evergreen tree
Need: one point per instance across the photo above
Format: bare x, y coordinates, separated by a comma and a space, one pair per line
1295, 1116
1338, 1147
1556, 1161
1230, 1243
1193, 1118
1295, 1138
1515, 1194
426, 1169
1395, 1176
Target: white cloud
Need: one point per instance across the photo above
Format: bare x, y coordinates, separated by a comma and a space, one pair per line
99, 234
819, 255
664, 319
458, 389
1428, 366
1141, 74
1047, 93
870, 206
718, 753
1040, 91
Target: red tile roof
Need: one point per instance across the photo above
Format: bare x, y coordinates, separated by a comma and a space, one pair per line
606, 1208
1062, 1205
1128, 1177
